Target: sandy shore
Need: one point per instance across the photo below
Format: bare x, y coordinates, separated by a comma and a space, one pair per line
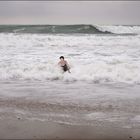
18, 128
36, 111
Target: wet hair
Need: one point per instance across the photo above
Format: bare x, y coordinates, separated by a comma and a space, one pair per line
61, 57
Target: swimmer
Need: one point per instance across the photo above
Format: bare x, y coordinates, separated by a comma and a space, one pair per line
63, 64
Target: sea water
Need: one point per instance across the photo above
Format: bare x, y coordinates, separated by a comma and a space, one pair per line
103, 83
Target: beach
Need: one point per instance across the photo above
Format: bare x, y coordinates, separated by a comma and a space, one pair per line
105, 112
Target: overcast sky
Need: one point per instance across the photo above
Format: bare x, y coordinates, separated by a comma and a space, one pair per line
69, 12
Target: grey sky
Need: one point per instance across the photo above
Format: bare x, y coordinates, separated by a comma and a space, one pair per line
69, 12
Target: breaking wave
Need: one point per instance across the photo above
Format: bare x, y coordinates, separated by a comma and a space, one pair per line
98, 73
118, 29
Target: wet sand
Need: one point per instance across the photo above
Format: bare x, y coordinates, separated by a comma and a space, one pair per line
18, 128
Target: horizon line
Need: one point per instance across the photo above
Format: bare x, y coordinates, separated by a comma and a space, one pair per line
72, 24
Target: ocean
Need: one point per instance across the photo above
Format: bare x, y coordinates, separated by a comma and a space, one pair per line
103, 85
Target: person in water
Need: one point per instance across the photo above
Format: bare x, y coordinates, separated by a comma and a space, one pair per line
63, 64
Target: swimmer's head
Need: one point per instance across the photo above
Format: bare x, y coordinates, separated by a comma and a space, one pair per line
61, 57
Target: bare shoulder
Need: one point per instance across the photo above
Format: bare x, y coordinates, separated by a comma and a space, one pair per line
66, 62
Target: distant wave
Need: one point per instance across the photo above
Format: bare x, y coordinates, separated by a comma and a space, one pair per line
52, 29
71, 29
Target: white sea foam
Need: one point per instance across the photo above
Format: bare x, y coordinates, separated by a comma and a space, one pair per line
120, 29
91, 57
